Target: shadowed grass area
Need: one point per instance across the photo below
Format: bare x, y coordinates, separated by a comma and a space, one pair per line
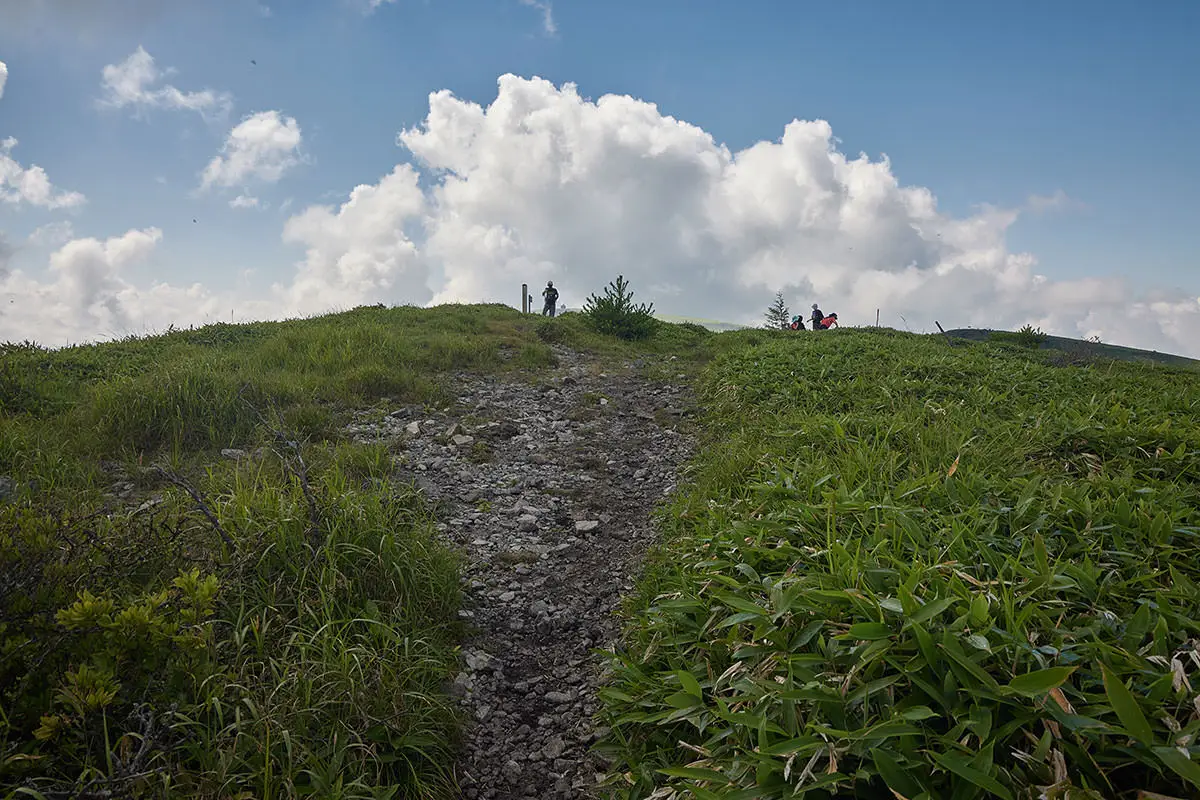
298, 642
904, 569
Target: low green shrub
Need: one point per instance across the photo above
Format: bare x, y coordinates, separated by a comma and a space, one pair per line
616, 314
1027, 336
695, 329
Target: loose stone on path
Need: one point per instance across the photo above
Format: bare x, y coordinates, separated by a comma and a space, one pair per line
554, 519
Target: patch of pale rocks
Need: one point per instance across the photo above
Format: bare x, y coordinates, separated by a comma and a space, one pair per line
553, 518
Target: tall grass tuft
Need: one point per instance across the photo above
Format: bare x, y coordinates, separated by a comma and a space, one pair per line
309, 660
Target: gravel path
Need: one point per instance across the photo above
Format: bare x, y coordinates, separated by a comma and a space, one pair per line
548, 484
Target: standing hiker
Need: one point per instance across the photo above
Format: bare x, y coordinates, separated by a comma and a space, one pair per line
551, 295
817, 316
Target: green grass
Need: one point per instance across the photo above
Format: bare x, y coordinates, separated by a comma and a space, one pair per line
894, 568
291, 634
901, 569
308, 657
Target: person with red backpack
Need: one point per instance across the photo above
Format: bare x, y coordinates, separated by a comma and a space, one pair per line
829, 322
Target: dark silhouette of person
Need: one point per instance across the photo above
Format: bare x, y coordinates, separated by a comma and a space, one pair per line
816, 318
551, 295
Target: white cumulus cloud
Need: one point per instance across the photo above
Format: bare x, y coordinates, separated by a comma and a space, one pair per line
543, 184
361, 249
83, 295
262, 146
137, 82
19, 184
3, 78
83, 290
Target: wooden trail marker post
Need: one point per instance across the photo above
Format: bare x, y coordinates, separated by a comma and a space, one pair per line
524, 298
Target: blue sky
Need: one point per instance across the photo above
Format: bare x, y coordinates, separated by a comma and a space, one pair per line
980, 103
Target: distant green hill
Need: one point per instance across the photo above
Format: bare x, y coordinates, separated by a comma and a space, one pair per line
711, 324
1083, 348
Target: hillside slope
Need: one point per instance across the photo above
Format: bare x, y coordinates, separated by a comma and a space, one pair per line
259, 556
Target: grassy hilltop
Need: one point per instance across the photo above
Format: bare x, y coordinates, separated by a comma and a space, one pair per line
896, 568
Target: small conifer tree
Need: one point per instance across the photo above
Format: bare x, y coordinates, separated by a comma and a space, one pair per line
777, 314
616, 314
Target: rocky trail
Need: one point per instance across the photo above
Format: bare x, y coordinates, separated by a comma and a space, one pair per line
547, 483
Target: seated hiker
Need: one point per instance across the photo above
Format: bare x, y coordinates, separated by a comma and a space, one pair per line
551, 295
797, 323
817, 316
829, 322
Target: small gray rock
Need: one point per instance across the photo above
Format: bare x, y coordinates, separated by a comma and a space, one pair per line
477, 660
462, 686
462, 440
527, 523
554, 748
233, 453
413, 428
586, 525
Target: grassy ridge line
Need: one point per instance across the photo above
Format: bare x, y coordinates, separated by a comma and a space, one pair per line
206, 388
1087, 350
905, 570
299, 641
